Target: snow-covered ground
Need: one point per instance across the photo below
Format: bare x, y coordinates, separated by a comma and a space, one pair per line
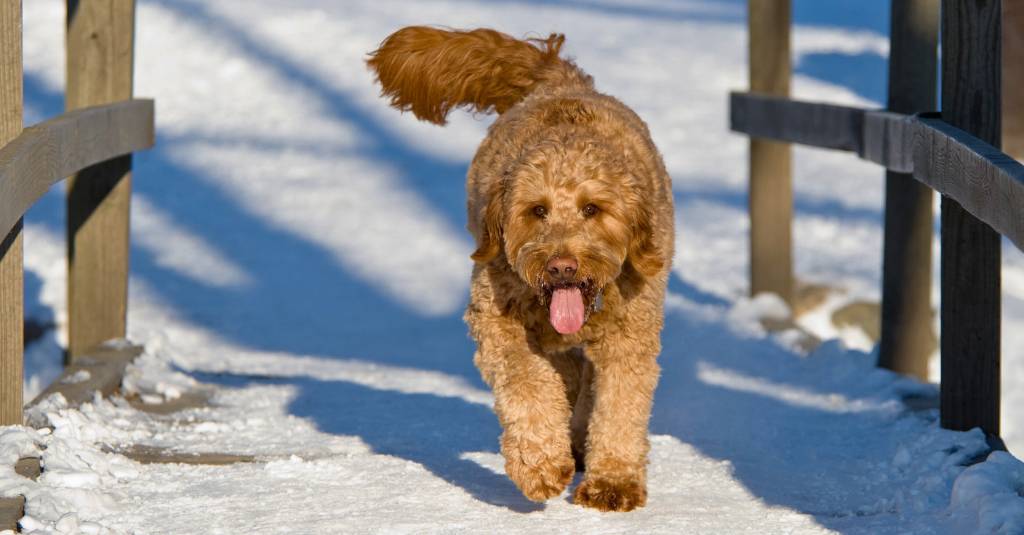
298, 247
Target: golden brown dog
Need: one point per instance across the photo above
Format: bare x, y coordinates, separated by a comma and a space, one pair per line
572, 213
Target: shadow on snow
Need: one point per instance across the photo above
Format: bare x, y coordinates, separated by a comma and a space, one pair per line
341, 315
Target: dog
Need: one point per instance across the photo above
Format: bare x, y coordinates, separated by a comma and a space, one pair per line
571, 208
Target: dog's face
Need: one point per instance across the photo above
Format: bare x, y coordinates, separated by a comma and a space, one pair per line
569, 219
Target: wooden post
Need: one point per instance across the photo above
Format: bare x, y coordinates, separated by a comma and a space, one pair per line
11, 277
907, 334
100, 46
971, 71
1013, 79
771, 184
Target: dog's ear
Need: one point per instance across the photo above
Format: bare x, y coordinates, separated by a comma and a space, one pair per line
644, 254
489, 239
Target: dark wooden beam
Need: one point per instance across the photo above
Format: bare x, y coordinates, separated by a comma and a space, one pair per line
828, 126
908, 338
889, 140
882, 137
1013, 79
971, 255
974, 174
949, 160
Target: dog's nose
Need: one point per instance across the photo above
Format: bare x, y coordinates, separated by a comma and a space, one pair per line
562, 268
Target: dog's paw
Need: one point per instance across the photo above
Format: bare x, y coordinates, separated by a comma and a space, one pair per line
538, 476
610, 494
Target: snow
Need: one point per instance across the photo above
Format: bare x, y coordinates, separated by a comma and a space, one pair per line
989, 495
299, 254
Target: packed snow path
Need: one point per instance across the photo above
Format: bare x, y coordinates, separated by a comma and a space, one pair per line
299, 249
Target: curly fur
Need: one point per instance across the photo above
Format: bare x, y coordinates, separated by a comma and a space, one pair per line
430, 71
564, 172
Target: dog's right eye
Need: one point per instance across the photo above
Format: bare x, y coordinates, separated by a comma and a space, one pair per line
540, 211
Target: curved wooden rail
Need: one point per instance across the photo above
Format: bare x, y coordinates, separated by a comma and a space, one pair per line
986, 182
46, 153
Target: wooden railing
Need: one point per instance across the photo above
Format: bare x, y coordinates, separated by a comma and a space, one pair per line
93, 141
953, 153
986, 182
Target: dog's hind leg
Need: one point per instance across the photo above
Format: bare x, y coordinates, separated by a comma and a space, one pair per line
576, 374
582, 407
568, 364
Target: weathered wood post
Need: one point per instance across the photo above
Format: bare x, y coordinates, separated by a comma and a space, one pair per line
971, 70
907, 333
1013, 79
11, 285
771, 184
100, 47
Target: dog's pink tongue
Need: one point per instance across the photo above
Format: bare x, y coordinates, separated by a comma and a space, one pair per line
567, 310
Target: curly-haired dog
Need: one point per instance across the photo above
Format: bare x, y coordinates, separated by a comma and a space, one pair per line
571, 208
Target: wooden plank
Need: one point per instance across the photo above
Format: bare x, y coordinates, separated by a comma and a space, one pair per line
971, 68
771, 183
46, 153
984, 180
11, 328
156, 455
11, 274
878, 136
10, 70
814, 124
11, 510
100, 48
977, 176
99, 369
1013, 79
907, 336
28, 467
887, 139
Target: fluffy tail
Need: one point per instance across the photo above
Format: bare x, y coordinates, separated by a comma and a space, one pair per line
430, 71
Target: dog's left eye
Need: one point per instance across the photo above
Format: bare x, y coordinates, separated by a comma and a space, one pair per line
540, 211
590, 210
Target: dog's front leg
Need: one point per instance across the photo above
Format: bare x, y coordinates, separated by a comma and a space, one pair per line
625, 375
532, 405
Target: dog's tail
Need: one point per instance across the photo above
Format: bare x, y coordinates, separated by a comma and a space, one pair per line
430, 71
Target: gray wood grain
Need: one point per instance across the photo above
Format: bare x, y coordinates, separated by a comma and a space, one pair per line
887, 139
879, 136
814, 124
48, 152
982, 178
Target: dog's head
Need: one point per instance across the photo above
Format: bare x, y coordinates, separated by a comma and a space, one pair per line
569, 215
